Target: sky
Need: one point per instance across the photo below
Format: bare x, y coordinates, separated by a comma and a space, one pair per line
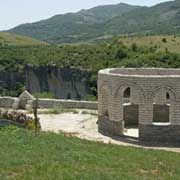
15, 12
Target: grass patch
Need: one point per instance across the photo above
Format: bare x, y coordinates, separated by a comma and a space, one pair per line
12, 39
45, 95
55, 156
160, 43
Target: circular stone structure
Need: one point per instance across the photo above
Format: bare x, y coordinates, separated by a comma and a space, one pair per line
148, 98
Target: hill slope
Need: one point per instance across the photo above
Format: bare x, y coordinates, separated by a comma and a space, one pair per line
11, 39
163, 18
72, 27
105, 21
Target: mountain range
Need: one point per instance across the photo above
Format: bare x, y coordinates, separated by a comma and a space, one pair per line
105, 21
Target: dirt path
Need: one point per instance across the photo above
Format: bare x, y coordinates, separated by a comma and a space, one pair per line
85, 126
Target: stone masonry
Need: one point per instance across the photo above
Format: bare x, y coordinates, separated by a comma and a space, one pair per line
25, 101
16, 103
149, 91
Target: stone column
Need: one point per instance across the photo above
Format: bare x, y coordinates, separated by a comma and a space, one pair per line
146, 112
117, 109
175, 112
103, 100
114, 124
145, 119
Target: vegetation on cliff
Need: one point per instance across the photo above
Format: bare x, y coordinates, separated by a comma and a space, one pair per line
120, 51
149, 51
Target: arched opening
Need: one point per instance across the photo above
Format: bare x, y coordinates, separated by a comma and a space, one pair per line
161, 111
127, 93
167, 96
130, 113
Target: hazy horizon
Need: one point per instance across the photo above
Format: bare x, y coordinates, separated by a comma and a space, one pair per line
20, 12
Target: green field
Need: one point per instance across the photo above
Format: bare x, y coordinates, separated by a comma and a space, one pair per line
18, 40
172, 43
25, 156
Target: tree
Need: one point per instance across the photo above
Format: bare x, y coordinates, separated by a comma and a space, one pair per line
121, 54
134, 47
164, 40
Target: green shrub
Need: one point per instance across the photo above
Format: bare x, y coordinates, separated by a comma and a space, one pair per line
45, 95
134, 47
90, 98
120, 54
164, 40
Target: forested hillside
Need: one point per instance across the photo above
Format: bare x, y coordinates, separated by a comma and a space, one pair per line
163, 18
105, 21
72, 27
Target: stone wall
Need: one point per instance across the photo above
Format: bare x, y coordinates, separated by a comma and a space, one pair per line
7, 102
160, 133
107, 127
53, 103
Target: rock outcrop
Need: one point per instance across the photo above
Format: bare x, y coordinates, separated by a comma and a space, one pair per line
63, 83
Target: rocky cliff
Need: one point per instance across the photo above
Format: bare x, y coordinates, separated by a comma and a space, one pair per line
64, 83
11, 83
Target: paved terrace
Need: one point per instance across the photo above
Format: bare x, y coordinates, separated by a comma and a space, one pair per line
85, 126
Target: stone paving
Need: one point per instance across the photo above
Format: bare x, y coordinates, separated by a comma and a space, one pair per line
85, 126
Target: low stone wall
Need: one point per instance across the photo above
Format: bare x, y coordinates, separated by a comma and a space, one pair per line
7, 102
67, 104
108, 127
159, 133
